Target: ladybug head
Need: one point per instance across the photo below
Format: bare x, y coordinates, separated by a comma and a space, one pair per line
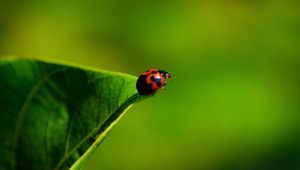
165, 74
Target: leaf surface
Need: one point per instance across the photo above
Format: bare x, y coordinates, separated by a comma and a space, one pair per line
54, 116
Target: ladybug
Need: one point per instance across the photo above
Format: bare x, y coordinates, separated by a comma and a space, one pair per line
151, 81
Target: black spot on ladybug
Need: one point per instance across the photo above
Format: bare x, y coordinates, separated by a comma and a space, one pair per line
142, 86
157, 80
152, 78
158, 84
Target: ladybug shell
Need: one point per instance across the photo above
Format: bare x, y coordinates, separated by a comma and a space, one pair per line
151, 71
149, 83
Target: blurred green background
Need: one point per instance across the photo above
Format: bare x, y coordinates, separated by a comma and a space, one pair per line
234, 102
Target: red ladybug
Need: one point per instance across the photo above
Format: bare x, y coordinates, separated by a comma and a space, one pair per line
151, 81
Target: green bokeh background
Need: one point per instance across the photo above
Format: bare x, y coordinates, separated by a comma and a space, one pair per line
234, 102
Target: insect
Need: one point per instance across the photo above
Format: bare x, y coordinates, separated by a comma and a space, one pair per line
151, 81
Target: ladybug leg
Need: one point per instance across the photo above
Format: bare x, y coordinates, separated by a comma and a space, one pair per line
163, 87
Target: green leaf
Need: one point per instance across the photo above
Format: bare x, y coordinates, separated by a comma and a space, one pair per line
54, 116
